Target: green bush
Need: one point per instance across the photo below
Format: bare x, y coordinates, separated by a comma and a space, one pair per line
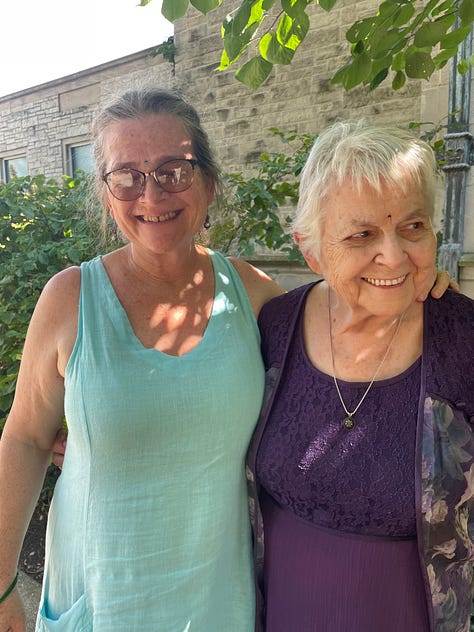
43, 229
253, 217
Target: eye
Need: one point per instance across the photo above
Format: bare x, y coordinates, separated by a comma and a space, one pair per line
124, 178
415, 227
169, 176
361, 236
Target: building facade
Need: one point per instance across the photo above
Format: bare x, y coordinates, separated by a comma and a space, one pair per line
46, 128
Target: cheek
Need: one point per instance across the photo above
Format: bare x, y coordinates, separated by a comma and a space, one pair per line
340, 268
340, 262
426, 257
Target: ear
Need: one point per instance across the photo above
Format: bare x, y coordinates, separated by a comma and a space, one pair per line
210, 192
312, 261
110, 207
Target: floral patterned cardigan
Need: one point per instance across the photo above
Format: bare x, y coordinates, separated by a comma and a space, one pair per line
445, 450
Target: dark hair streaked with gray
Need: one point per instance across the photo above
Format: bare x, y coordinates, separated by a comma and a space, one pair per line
140, 102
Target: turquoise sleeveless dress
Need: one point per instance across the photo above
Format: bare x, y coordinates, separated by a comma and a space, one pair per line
149, 528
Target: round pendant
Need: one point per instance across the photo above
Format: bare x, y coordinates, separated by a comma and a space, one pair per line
349, 423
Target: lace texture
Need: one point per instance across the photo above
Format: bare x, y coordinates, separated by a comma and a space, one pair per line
358, 481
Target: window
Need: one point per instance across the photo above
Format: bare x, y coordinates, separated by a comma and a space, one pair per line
80, 158
13, 167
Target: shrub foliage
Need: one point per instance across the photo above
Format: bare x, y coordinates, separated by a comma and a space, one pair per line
43, 229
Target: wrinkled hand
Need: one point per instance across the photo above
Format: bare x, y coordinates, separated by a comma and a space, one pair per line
12, 614
59, 450
442, 282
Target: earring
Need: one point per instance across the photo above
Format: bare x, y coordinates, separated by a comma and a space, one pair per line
207, 222
115, 233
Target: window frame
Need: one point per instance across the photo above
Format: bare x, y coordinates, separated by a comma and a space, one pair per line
68, 145
8, 157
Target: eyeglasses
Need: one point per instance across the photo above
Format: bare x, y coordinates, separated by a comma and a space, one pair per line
173, 176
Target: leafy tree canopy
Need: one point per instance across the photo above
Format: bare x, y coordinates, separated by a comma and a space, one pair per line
403, 39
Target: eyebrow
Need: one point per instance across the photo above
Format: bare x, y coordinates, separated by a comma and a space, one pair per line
132, 165
366, 222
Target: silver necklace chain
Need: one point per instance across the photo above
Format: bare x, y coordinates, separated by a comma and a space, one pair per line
349, 421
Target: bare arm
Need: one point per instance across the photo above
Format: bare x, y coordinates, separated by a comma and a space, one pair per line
260, 287
35, 417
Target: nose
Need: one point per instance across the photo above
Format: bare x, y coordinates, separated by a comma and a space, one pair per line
391, 252
152, 189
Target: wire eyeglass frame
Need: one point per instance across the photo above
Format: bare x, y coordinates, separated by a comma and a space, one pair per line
137, 190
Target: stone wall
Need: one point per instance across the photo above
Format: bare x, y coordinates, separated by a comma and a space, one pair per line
296, 96
43, 119
300, 96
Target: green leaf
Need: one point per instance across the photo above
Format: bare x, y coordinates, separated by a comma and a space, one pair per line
463, 66
359, 30
466, 11
204, 6
419, 65
387, 11
379, 65
398, 62
327, 5
254, 72
383, 41
378, 78
353, 73
444, 7
455, 37
240, 21
233, 47
444, 56
225, 62
292, 31
257, 13
174, 9
403, 15
271, 50
294, 8
399, 80
430, 33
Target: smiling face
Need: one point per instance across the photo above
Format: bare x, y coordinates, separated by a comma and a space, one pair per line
377, 249
157, 222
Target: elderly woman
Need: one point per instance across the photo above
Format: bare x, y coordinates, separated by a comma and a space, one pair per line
363, 458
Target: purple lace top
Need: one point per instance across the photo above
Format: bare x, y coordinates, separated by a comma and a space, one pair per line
339, 505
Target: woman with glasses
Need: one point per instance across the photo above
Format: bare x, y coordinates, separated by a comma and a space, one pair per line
152, 354
158, 341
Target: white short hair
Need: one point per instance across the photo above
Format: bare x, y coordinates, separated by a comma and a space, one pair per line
359, 153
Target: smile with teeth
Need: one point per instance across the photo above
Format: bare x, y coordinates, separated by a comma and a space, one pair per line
161, 218
385, 282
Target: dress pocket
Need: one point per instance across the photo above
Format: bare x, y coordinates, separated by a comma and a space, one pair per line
77, 619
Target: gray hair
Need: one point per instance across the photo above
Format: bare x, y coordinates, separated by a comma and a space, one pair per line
140, 102
360, 153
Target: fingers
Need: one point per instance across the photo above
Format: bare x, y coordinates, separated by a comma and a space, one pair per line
59, 447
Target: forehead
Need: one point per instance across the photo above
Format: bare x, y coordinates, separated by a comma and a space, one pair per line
347, 204
150, 137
